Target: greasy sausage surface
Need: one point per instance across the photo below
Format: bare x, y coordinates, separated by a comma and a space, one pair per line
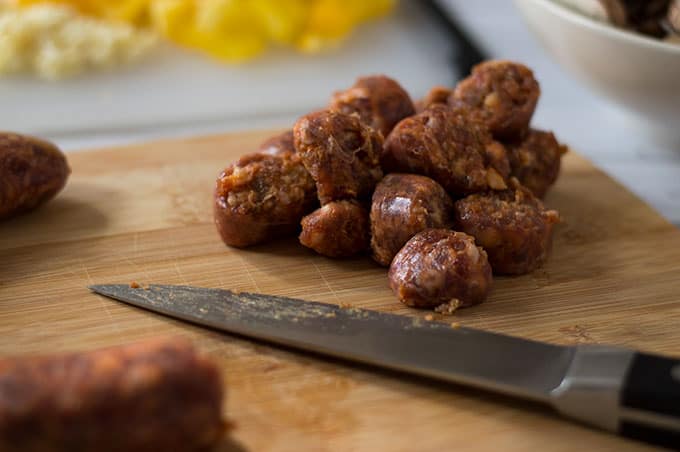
340, 152
501, 94
512, 226
156, 395
378, 100
439, 266
403, 205
436, 95
278, 144
338, 229
261, 197
536, 160
445, 145
32, 172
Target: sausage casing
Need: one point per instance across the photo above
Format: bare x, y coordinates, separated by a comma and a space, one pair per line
278, 144
403, 205
436, 95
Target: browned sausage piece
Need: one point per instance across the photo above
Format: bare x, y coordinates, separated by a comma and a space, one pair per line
439, 266
446, 146
512, 226
498, 158
380, 102
261, 197
535, 160
32, 172
436, 95
340, 152
279, 144
338, 229
156, 395
501, 94
403, 205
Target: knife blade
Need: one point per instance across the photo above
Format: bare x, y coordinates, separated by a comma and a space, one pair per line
616, 389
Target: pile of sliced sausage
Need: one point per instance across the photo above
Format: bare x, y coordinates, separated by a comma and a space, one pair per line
445, 191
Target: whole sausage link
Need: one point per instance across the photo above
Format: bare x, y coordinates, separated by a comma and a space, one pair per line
156, 395
32, 172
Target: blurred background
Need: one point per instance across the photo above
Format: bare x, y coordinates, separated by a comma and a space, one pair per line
221, 73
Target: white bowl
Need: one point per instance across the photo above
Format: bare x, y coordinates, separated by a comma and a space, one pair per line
639, 73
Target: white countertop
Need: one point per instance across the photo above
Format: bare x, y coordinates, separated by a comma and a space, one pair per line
156, 101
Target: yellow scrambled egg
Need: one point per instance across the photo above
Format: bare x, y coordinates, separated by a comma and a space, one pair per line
235, 30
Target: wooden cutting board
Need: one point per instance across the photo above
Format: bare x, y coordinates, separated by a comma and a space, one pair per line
143, 214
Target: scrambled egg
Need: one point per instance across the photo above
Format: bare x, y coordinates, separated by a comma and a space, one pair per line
55, 42
236, 30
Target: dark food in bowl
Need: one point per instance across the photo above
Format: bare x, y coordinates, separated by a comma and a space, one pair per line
654, 18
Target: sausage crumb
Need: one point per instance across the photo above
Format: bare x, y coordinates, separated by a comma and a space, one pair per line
134, 285
448, 308
429, 317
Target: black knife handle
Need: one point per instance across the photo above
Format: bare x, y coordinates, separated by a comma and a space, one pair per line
650, 401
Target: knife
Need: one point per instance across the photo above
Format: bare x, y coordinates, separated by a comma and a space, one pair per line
616, 389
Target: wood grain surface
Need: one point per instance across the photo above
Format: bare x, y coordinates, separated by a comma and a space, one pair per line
143, 214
